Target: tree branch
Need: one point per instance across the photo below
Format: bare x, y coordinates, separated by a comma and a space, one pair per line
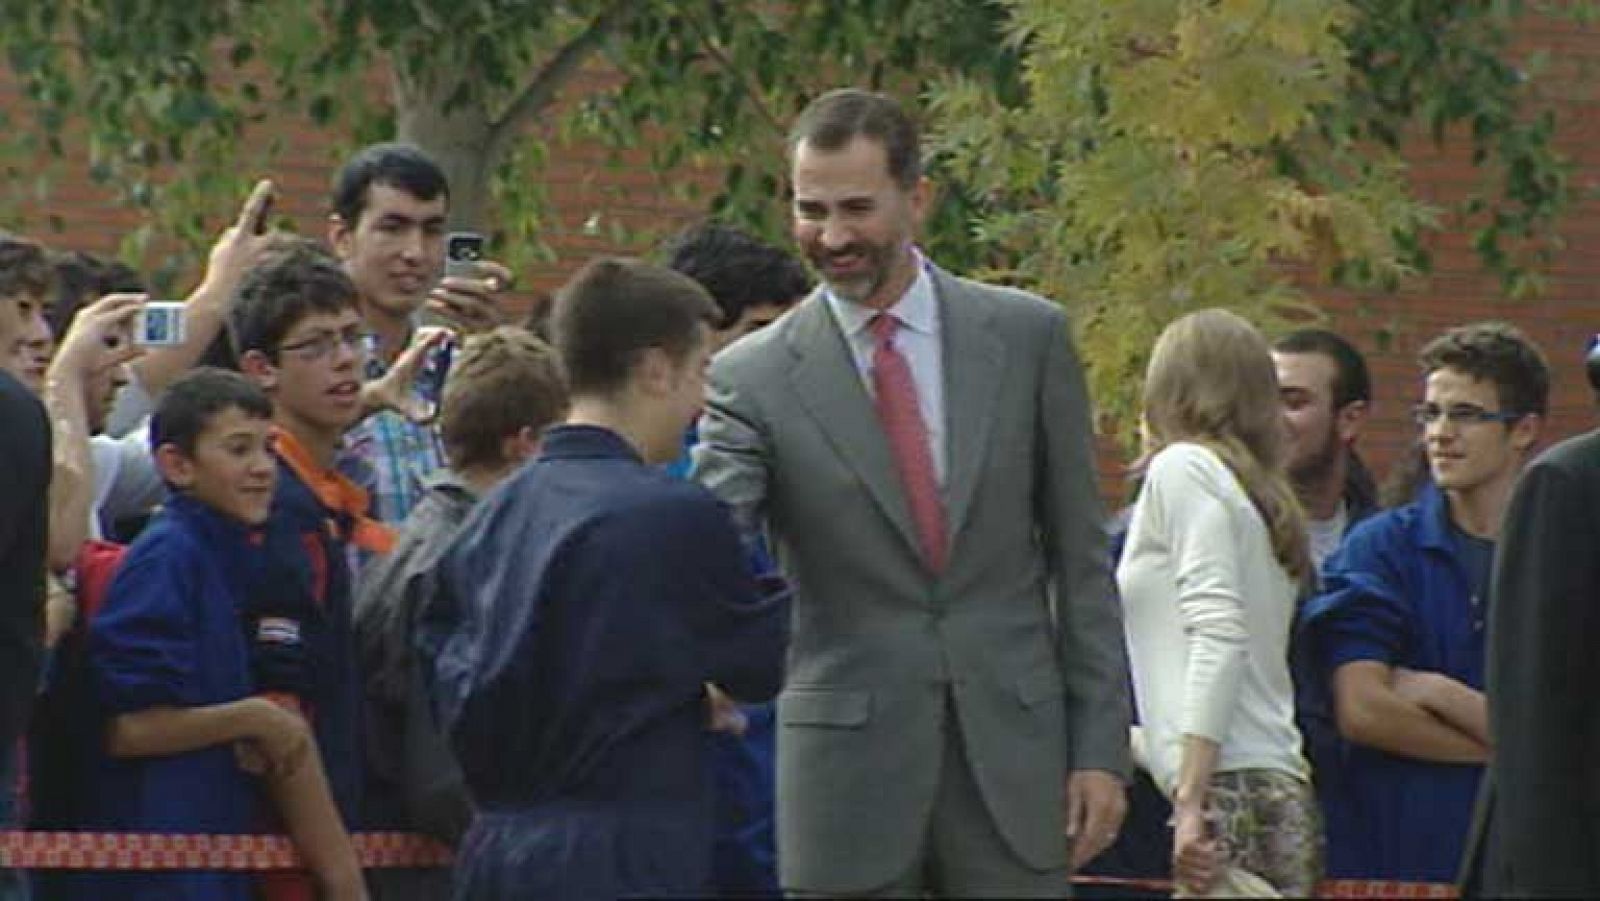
739, 77
542, 88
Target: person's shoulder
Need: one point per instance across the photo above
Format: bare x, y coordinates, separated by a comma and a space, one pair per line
656, 505
1384, 531
22, 412
1577, 456
659, 493
15, 395
290, 493
169, 541
765, 349
1186, 460
1005, 299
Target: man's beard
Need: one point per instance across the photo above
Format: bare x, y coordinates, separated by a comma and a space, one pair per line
1313, 470
861, 287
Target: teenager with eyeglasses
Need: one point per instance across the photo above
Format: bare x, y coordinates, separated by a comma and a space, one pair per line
1399, 628
300, 338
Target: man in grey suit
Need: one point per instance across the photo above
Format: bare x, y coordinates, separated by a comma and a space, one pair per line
918, 447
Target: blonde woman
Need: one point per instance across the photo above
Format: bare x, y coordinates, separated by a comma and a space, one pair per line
1215, 550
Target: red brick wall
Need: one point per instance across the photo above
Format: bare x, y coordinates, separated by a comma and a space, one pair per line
579, 183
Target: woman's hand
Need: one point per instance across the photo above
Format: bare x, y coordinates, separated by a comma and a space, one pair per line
1194, 851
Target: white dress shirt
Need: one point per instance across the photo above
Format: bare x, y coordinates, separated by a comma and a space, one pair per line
917, 339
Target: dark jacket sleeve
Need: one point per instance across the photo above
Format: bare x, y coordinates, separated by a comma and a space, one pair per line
24, 505
741, 617
1543, 671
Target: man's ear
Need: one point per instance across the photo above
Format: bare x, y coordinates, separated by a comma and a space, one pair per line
653, 371
1350, 419
175, 466
520, 446
1525, 432
258, 368
341, 236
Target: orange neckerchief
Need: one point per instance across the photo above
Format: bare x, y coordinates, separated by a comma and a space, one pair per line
336, 493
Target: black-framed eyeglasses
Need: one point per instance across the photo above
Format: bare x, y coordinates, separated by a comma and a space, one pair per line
323, 343
1460, 414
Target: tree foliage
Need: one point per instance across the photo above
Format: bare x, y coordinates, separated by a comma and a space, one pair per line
1168, 155
177, 101
1136, 158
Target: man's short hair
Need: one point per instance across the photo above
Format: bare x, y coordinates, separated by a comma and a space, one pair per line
501, 382
1495, 352
83, 278
738, 270
836, 118
24, 268
1351, 381
402, 166
296, 279
195, 399
614, 309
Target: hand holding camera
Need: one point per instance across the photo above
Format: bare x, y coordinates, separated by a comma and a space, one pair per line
101, 336
466, 296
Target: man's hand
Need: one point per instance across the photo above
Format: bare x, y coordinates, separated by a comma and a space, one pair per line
1096, 802
100, 337
395, 389
1194, 851
469, 303
239, 247
723, 713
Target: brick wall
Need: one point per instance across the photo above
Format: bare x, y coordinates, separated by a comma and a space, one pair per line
1389, 328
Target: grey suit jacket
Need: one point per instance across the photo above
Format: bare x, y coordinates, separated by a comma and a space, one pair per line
1020, 631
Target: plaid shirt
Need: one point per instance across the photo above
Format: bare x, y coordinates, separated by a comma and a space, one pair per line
397, 455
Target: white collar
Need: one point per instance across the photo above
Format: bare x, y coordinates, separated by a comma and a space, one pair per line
917, 309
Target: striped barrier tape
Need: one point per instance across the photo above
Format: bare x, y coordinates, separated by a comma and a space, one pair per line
157, 851
384, 850
1332, 888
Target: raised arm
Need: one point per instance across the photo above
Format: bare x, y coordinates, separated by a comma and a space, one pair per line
205, 311
99, 337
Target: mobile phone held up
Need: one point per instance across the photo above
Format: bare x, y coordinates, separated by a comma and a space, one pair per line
159, 324
462, 251
435, 369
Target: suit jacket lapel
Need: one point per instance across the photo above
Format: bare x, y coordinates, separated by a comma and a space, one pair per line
830, 387
973, 364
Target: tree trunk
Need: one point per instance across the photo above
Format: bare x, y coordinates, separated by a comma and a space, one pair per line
456, 137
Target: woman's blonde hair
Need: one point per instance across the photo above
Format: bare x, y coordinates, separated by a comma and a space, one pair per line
1212, 381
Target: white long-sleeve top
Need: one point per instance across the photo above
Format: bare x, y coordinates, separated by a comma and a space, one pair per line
1208, 609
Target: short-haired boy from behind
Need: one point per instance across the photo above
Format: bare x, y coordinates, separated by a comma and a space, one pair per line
184, 723
299, 338
581, 610
504, 389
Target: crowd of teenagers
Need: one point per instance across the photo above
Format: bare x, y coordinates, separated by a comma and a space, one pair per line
708, 581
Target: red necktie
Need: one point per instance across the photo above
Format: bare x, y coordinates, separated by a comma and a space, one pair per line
896, 399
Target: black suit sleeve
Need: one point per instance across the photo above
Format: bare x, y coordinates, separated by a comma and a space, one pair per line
24, 504
1543, 670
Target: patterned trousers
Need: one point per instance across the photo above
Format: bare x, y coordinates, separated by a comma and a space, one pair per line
1267, 822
